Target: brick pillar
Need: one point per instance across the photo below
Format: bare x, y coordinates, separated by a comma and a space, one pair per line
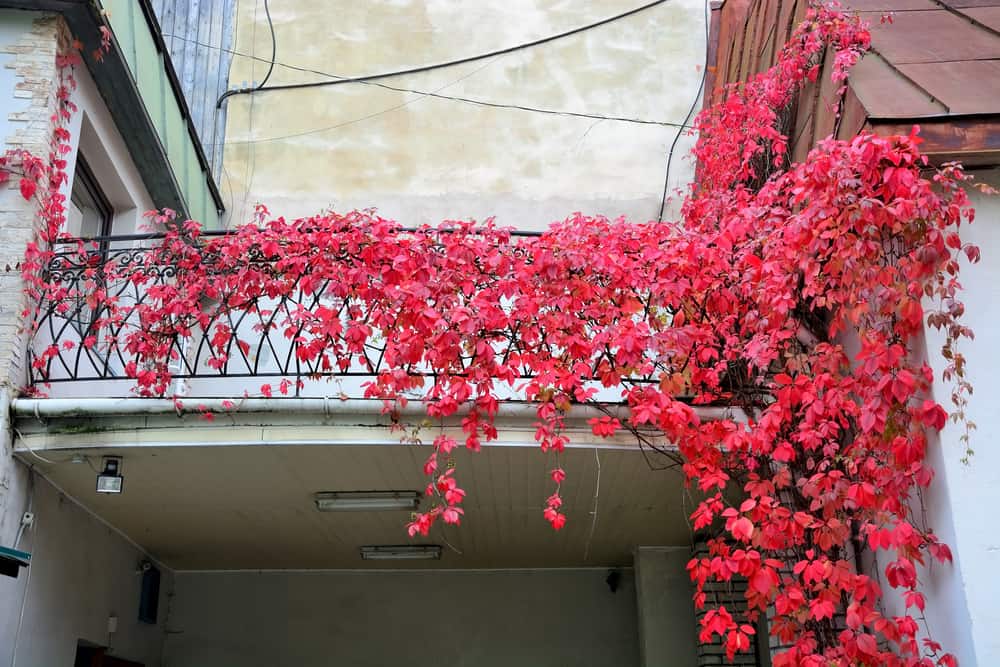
32, 103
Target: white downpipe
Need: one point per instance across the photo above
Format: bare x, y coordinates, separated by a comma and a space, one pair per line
93, 407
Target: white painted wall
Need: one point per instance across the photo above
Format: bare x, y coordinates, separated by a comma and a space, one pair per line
963, 609
81, 573
536, 618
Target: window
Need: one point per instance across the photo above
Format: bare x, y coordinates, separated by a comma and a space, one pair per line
90, 213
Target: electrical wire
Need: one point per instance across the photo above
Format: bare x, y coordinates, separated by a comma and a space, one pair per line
454, 98
36, 454
687, 119
593, 512
355, 120
449, 63
27, 581
251, 162
274, 47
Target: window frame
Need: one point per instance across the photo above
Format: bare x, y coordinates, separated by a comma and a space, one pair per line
84, 175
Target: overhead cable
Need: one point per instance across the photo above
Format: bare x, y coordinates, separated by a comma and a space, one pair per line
687, 119
274, 46
449, 63
428, 93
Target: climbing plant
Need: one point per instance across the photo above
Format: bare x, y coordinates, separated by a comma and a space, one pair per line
794, 293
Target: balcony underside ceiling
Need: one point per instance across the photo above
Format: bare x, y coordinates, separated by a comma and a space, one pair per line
237, 493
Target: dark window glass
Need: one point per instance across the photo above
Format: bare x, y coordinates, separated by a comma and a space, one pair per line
90, 214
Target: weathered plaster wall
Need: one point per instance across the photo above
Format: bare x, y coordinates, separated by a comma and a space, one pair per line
456, 618
421, 160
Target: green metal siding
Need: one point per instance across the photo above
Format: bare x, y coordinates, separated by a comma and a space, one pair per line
148, 69
122, 19
175, 143
146, 63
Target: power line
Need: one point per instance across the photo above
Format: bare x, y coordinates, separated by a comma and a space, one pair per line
353, 120
450, 63
687, 119
428, 93
274, 46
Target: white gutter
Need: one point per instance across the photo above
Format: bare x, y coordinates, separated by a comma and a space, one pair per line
94, 407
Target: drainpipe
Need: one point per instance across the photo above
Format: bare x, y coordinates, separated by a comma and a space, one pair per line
89, 407
6, 434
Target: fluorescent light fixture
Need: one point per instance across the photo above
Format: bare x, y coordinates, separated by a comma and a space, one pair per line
366, 501
111, 480
402, 552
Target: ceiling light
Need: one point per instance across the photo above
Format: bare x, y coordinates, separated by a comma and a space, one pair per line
366, 501
111, 480
402, 552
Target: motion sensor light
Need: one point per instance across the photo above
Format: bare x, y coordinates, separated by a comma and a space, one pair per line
110, 480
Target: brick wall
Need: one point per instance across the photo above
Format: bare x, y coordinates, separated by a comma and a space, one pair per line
33, 59
732, 594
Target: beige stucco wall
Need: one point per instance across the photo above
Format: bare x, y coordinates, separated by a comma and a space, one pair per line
459, 618
420, 159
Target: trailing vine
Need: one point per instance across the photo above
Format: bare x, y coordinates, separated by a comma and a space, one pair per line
796, 293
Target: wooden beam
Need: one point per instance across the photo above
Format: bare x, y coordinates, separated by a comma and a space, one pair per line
972, 140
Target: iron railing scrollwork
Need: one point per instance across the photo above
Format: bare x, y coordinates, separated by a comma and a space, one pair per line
76, 338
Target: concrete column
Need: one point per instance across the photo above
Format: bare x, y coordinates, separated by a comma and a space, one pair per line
668, 635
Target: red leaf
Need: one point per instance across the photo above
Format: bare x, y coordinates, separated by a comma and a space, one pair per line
28, 188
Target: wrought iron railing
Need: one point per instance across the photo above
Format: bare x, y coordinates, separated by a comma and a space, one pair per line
74, 344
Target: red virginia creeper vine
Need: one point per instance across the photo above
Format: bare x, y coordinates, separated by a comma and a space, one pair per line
753, 301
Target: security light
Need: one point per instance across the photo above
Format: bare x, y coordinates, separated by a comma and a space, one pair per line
402, 552
111, 480
366, 501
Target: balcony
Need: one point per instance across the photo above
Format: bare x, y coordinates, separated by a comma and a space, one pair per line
79, 350
236, 491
